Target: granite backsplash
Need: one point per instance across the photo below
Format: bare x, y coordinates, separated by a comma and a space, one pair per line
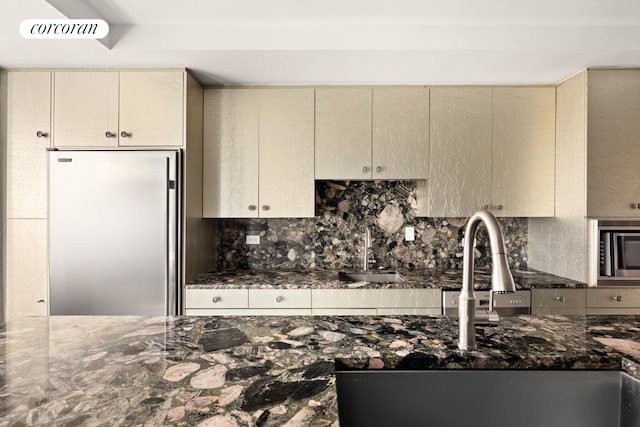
333, 239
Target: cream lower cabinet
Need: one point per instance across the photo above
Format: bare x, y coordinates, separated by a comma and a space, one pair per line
492, 148
313, 301
613, 301
372, 133
28, 135
26, 268
248, 302
119, 108
258, 153
558, 301
377, 301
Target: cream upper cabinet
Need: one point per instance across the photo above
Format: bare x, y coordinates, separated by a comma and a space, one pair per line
111, 108
460, 158
85, 109
613, 143
287, 186
258, 153
492, 148
151, 108
372, 133
400, 133
523, 152
343, 133
230, 157
28, 137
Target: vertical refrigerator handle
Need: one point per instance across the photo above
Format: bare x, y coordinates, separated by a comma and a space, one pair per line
171, 239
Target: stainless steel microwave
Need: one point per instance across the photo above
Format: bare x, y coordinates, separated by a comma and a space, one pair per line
619, 252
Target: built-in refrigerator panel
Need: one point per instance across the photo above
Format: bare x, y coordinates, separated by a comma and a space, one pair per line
114, 232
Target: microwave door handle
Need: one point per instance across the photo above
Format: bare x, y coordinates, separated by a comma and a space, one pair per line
606, 254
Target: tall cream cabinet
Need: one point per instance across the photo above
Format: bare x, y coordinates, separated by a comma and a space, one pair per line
141, 108
26, 137
492, 148
372, 133
613, 143
258, 153
598, 153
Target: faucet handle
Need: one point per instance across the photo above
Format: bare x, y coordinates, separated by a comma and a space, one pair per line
484, 317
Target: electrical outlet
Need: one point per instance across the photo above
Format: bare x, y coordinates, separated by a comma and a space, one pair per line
409, 234
253, 240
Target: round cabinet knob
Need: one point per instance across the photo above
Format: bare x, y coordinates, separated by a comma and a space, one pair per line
252, 207
617, 298
109, 134
635, 206
485, 207
279, 298
265, 207
365, 169
378, 169
500, 207
560, 298
41, 134
216, 299
125, 134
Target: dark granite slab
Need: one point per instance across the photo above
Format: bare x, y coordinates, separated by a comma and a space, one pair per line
328, 279
263, 371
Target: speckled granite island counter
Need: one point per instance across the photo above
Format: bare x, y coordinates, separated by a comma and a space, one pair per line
263, 371
328, 279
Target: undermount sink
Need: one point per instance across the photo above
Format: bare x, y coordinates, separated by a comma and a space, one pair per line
451, 398
388, 276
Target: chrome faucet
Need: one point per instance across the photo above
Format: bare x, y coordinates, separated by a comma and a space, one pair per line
365, 252
501, 278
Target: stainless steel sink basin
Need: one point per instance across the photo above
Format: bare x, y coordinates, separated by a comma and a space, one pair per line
388, 276
488, 398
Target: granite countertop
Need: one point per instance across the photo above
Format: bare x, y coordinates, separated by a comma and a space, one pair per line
328, 279
263, 371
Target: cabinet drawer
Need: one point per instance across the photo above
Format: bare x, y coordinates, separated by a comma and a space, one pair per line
376, 298
432, 311
344, 311
216, 298
613, 298
280, 298
558, 298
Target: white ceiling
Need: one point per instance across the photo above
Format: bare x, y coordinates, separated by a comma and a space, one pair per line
291, 42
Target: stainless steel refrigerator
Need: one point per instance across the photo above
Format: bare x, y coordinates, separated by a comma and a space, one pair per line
114, 232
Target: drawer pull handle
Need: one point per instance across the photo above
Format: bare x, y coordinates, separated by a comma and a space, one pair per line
617, 298
41, 134
560, 298
124, 134
265, 207
252, 207
216, 299
279, 298
109, 134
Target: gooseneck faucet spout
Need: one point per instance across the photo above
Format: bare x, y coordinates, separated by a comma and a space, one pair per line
367, 245
501, 278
